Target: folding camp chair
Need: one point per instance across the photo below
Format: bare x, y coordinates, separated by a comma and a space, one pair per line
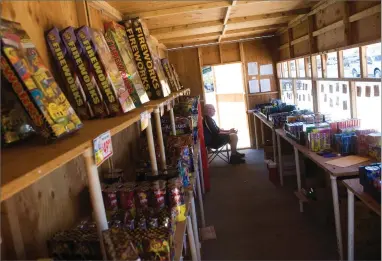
218, 152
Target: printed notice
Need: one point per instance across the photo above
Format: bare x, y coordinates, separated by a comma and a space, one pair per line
254, 86
265, 85
252, 68
266, 69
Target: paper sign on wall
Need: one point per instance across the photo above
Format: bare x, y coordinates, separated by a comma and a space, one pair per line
252, 68
265, 85
266, 69
102, 148
254, 86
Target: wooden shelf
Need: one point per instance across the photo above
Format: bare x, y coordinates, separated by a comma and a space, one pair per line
180, 230
262, 93
24, 164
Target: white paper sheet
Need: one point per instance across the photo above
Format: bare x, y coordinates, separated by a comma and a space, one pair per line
254, 86
266, 69
265, 85
252, 68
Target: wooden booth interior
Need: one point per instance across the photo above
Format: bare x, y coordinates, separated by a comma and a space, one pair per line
192, 34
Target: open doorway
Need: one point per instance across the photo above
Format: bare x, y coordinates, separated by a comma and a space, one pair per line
224, 88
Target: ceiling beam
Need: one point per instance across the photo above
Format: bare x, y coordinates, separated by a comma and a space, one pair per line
172, 29
107, 9
191, 37
179, 10
268, 16
227, 14
258, 28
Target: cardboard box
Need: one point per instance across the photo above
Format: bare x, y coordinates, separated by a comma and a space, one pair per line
169, 74
149, 66
68, 74
118, 42
107, 74
34, 85
85, 73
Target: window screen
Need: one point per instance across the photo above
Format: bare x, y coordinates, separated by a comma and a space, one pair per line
287, 91
304, 94
293, 70
373, 59
319, 66
352, 65
368, 103
334, 99
301, 67
331, 65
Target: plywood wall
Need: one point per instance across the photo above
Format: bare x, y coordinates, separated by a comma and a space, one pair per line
186, 63
361, 31
59, 200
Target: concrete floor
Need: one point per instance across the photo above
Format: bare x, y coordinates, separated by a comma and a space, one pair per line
254, 220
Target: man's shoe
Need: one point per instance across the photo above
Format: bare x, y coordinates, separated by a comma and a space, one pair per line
236, 159
242, 155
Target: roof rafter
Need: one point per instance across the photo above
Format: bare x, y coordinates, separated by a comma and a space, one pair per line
227, 14
268, 16
179, 10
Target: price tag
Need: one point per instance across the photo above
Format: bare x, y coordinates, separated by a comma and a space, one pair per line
145, 116
102, 147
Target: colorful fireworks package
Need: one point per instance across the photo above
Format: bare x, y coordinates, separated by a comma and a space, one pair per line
107, 74
149, 66
85, 73
118, 42
34, 85
170, 75
68, 74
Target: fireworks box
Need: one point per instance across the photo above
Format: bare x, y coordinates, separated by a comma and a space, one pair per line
149, 66
176, 77
73, 86
84, 72
169, 74
116, 38
102, 63
34, 85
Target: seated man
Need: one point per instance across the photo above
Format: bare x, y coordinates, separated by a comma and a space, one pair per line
216, 137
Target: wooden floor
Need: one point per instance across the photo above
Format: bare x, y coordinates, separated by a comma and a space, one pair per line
254, 220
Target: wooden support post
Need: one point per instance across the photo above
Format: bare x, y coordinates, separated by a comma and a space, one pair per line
324, 58
347, 24
363, 61
158, 127
220, 53
290, 46
82, 13
150, 141
200, 59
340, 63
315, 93
246, 98
194, 221
172, 120
96, 196
312, 40
353, 99
313, 67
256, 129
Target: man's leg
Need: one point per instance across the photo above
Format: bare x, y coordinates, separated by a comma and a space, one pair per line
233, 139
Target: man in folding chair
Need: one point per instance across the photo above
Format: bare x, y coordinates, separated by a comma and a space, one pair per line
216, 138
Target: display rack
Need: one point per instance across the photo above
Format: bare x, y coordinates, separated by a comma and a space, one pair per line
18, 175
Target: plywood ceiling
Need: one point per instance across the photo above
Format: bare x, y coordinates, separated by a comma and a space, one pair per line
179, 23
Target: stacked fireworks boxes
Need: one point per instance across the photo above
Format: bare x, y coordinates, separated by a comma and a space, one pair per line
33, 84
148, 63
83, 56
370, 179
